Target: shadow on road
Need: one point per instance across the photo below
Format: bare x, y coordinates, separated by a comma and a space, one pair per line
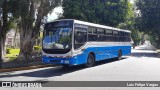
144, 51
144, 54
146, 48
58, 70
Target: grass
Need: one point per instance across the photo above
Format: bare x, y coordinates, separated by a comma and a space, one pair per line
12, 53
11, 56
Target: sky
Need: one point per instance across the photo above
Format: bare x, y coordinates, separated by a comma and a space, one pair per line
132, 1
59, 9
54, 15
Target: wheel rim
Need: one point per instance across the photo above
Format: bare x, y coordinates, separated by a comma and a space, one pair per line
119, 55
90, 61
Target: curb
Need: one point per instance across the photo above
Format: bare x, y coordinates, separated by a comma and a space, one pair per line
158, 52
24, 68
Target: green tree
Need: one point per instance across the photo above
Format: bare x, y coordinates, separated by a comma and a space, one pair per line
130, 18
4, 26
130, 24
149, 17
0, 35
30, 14
107, 12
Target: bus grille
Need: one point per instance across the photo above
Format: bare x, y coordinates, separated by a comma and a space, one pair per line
55, 61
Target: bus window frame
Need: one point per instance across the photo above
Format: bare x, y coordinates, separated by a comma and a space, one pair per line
94, 34
81, 26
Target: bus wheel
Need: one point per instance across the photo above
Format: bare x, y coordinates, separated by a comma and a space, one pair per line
119, 55
90, 61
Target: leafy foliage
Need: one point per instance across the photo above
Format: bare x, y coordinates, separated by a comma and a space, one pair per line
117, 13
150, 15
107, 12
149, 18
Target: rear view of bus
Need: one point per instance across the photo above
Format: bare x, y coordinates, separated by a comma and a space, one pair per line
73, 42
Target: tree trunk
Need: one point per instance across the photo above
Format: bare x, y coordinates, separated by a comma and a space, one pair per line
27, 33
158, 45
15, 43
3, 39
30, 26
0, 44
4, 27
26, 45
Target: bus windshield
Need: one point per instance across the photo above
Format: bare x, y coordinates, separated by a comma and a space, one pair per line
57, 38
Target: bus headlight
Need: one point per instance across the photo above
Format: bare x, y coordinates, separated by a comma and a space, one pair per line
44, 56
66, 61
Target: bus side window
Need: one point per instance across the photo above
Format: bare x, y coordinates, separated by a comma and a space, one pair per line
123, 36
101, 35
115, 36
109, 34
80, 37
120, 36
92, 34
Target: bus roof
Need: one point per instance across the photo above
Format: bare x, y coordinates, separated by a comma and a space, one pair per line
92, 24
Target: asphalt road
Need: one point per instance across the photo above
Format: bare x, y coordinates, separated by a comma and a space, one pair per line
142, 65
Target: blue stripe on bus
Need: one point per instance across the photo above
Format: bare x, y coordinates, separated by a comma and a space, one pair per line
101, 53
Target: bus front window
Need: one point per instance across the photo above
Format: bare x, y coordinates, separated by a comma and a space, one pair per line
57, 38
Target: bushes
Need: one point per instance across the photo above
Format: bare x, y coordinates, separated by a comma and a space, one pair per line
37, 48
12, 53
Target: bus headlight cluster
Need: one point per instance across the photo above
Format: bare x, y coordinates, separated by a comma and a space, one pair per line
44, 56
66, 61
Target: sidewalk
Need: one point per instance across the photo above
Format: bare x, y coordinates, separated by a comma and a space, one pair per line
23, 65
25, 68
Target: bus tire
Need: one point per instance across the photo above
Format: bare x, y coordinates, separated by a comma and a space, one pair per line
119, 55
90, 61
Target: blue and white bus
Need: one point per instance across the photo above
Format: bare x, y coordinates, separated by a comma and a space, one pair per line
73, 42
